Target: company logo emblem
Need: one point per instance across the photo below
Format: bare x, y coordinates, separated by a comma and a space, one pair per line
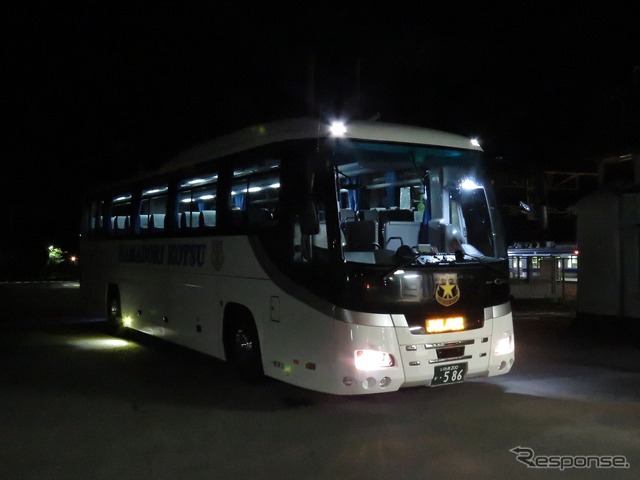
447, 290
217, 254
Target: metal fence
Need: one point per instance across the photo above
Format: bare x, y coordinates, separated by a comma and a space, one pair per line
544, 273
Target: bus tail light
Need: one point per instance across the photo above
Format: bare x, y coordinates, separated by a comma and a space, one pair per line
373, 359
504, 345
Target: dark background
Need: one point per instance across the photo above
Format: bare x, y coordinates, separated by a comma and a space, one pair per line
97, 91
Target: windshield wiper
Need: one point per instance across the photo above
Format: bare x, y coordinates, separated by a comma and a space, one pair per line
482, 260
407, 256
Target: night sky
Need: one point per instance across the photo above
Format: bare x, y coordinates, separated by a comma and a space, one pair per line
101, 90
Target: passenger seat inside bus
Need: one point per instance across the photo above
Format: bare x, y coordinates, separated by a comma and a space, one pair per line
189, 220
397, 234
207, 218
156, 221
361, 235
347, 215
120, 223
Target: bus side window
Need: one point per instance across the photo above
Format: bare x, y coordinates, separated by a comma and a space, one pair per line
255, 194
120, 215
153, 206
197, 199
98, 213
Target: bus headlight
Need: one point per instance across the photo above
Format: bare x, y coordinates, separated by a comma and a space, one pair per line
337, 128
373, 359
504, 345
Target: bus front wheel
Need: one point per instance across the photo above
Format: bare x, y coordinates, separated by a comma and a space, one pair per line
242, 347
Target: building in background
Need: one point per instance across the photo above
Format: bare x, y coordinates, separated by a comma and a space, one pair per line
608, 234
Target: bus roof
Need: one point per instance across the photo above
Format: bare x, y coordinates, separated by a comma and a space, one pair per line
302, 128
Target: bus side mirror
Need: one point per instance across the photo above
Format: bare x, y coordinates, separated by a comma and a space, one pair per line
309, 224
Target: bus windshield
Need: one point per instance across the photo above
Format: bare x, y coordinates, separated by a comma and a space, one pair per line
427, 201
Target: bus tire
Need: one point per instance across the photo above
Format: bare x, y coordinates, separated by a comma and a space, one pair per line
242, 346
114, 310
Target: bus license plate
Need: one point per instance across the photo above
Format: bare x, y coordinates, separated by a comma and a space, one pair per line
448, 374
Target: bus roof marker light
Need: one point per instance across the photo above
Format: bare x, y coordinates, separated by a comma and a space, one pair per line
337, 129
469, 184
525, 206
475, 142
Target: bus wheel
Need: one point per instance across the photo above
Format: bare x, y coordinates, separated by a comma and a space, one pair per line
114, 311
242, 347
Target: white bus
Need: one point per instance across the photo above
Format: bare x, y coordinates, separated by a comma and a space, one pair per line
347, 258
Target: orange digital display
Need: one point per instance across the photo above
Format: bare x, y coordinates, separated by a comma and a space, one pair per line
441, 325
